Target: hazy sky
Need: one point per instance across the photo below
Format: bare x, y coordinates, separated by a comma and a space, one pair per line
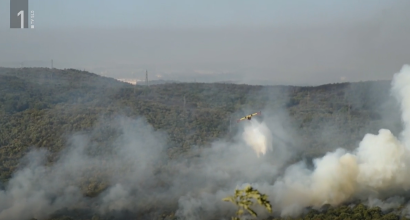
269, 42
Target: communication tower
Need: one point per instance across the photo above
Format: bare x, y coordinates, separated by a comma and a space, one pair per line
146, 77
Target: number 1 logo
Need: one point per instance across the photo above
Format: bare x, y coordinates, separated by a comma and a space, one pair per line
21, 13
18, 14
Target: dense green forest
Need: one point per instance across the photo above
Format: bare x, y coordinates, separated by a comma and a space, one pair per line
40, 107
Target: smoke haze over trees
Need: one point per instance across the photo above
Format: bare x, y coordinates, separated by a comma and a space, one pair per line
83, 146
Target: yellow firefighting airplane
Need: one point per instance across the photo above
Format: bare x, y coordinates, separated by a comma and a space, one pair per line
249, 117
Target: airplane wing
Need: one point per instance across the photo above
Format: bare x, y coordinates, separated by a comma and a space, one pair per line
241, 119
256, 113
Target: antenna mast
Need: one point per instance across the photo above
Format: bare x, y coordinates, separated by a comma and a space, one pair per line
146, 77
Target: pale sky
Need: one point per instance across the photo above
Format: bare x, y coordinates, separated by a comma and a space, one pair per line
257, 42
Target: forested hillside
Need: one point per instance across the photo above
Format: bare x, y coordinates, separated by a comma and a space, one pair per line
41, 107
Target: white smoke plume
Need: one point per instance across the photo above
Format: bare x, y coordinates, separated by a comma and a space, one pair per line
401, 91
378, 168
140, 178
259, 137
38, 190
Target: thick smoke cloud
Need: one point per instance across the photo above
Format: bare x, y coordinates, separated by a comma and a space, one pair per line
378, 168
134, 173
38, 190
137, 174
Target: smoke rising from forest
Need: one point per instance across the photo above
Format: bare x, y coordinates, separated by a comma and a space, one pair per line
134, 172
378, 168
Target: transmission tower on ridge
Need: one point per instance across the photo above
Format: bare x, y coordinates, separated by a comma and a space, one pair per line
146, 77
